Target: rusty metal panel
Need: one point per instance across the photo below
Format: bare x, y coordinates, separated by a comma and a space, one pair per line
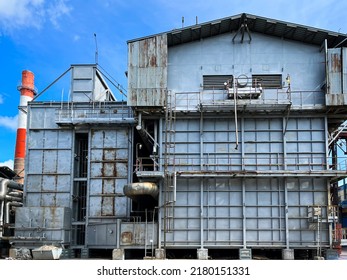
147, 71
134, 234
344, 70
334, 71
108, 172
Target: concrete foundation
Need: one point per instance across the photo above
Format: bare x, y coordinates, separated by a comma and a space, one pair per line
245, 254
331, 254
288, 254
118, 254
202, 254
160, 254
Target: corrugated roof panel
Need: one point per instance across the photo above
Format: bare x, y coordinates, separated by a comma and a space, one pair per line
259, 24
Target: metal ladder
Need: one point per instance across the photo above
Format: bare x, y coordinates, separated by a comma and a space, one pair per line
169, 161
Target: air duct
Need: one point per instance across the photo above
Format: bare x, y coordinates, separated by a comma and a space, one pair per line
135, 190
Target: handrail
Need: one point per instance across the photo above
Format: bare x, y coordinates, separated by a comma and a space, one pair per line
227, 163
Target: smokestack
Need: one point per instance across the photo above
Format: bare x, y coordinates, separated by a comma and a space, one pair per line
27, 92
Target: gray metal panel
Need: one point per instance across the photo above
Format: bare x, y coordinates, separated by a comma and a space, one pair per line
264, 212
52, 224
188, 63
344, 71
147, 71
102, 235
41, 117
48, 172
82, 83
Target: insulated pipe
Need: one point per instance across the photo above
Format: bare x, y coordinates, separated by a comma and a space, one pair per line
141, 188
6, 184
8, 204
27, 92
2, 203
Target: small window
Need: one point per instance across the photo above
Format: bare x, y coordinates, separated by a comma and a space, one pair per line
267, 81
216, 81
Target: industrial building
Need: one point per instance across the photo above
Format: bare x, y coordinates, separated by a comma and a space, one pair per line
225, 148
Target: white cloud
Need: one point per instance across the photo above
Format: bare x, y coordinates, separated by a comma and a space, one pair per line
8, 163
76, 38
9, 122
17, 14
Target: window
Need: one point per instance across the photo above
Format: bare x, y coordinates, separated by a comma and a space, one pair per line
216, 81
267, 81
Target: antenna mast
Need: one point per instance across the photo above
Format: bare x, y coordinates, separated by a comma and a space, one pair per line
96, 49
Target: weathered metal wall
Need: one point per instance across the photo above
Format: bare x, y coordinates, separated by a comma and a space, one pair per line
109, 157
268, 205
43, 225
147, 71
218, 55
335, 71
49, 160
248, 212
264, 144
52, 181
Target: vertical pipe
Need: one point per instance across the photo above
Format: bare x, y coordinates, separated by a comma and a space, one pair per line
160, 197
27, 93
286, 212
244, 213
201, 184
118, 233
235, 108
202, 213
1, 217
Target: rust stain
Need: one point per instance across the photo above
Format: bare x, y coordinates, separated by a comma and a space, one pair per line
153, 61
127, 237
335, 63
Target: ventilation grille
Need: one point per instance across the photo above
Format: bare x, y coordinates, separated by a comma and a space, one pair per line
267, 81
216, 81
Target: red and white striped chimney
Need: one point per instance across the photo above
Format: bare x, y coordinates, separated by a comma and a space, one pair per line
27, 91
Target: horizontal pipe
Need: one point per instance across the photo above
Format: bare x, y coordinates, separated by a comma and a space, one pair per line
135, 190
6, 184
15, 194
13, 198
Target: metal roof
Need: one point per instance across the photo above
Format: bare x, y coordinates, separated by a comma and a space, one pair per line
268, 26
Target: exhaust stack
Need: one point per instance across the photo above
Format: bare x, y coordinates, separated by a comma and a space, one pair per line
27, 92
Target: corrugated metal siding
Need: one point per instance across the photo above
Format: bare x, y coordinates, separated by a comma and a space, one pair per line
344, 70
334, 71
147, 71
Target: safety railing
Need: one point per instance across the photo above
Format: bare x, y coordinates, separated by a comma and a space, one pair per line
213, 162
98, 114
189, 101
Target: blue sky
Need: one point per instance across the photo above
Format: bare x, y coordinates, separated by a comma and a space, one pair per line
47, 36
